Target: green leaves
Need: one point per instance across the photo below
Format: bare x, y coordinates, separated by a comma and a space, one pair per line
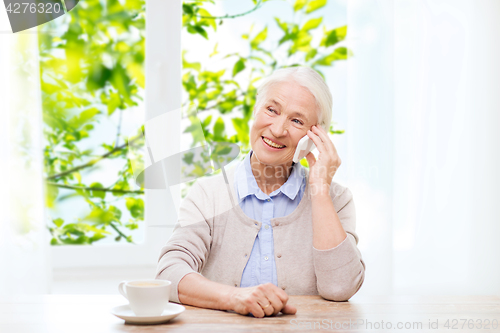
188, 158
340, 53
98, 76
283, 25
312, 24
334, 36
197, 29
121, 82
198, 136
214, 52
195, 18
95, 193
261, 36
86, 116
187, 9
207, 121
121, 185
315, 5
205, 14
194, 65
238, 66
242, 129
101, 215
311, 54
51, 194
299, 4
113, 101
58, 222
219, 129
76, 234
136, 208
91, 64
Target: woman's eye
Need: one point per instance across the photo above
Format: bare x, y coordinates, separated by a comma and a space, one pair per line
271, 110
298, 121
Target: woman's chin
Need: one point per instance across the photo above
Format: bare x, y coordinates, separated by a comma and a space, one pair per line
272, 158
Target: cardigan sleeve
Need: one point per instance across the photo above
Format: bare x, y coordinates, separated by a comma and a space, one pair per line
188, 248
340, 271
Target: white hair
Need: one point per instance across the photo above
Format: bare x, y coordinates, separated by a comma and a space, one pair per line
307, 78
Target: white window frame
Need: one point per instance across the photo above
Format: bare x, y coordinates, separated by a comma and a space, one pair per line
163, 93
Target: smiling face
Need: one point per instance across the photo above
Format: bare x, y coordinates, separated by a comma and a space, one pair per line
282, 118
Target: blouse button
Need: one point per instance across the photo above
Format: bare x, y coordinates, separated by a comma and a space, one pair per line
266, 258
267, 227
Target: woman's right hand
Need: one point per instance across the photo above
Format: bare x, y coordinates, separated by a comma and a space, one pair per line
262, 300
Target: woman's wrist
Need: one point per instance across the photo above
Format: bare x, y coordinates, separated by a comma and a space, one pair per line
197, 290
319, 189
228, 298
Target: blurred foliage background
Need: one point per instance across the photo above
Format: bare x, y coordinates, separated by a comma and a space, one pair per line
92, 72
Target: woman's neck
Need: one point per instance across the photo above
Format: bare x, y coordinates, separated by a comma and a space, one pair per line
269, 177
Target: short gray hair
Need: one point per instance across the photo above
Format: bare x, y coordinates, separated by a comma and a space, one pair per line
307, 78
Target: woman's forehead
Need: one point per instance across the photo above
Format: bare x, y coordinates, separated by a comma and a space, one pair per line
292, 96
289, 91
288, 87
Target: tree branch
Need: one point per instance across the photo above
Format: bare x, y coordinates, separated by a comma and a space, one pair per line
257, 6
119, 232
94, 161
73, 187
211, 107
119, 128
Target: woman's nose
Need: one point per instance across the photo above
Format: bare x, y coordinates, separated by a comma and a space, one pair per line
279, 127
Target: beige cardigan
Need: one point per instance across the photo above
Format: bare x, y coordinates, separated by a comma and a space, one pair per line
214, 237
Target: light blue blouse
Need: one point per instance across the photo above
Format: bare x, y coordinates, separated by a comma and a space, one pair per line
261, 265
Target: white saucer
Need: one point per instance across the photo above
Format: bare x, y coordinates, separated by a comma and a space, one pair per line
125, 312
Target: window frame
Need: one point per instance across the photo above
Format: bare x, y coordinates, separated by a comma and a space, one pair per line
163, 77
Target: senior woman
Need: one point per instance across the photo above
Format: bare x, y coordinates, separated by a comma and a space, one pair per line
291, 230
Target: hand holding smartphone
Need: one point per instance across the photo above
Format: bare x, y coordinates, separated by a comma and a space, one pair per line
304, 146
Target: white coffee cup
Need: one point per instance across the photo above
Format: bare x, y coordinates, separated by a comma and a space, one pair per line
146, 297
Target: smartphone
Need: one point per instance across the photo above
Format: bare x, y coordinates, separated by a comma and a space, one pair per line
304, 146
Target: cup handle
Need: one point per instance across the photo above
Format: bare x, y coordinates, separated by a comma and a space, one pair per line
121, 289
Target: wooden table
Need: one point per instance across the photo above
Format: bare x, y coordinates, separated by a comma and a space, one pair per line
90, 314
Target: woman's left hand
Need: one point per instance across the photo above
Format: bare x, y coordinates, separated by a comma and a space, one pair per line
322, 170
